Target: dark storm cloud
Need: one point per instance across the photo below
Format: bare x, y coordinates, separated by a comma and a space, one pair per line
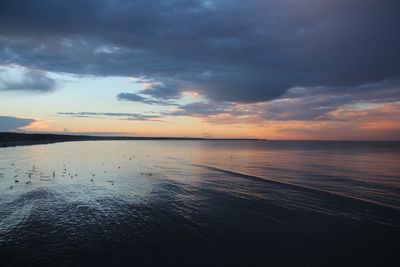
12, 123
317, 103
230, 50
30, 80
298, 104
164, 91
122, 116
386, 91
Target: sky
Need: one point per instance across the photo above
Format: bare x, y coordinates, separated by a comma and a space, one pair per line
274, 69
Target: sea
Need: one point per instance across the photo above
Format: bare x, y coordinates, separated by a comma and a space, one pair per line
200, 203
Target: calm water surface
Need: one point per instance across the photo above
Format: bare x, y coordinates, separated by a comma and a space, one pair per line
200, 203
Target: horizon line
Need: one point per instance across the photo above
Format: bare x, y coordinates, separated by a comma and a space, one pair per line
121, 137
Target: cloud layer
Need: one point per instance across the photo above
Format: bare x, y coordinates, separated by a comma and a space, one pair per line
312, 67
26, 80
12, 123
133, 97
229, 50
120, 116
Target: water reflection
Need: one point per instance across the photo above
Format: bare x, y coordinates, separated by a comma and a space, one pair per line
199, 203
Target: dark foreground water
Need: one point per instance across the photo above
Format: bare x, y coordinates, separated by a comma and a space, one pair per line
200, 203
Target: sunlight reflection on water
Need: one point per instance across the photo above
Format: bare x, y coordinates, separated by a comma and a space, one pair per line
143, 194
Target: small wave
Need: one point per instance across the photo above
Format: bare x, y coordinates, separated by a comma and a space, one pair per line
37, 193
13, 218
19, 210
301, 187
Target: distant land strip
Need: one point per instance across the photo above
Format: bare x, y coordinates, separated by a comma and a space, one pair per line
10, 139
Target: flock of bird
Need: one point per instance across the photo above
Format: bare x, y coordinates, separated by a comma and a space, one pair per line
64, 173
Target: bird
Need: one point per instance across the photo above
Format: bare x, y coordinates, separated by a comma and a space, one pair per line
16, 181
91, 180
11, 187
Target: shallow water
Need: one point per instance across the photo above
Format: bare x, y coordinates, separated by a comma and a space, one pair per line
215, 203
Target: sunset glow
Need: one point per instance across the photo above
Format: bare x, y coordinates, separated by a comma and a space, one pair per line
317, 79
199, 133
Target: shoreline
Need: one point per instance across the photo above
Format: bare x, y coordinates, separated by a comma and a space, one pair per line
29, 143
10, 139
